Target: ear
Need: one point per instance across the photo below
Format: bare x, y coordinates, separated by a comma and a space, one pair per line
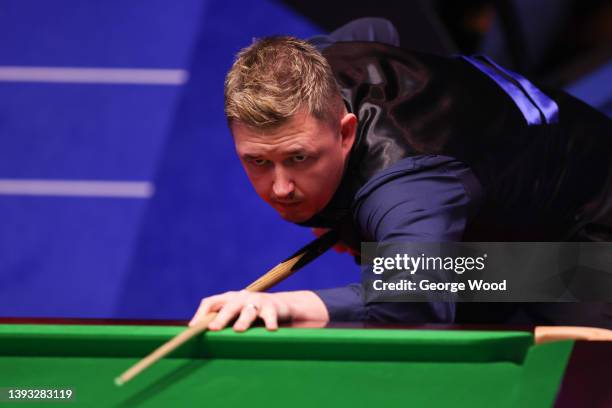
348, 131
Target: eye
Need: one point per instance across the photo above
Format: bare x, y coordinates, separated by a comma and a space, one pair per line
259, 162
298, 158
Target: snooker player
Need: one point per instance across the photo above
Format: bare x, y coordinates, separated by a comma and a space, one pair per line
352, 133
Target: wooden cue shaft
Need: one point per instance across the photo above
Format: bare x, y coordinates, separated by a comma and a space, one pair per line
269, 279
164, 349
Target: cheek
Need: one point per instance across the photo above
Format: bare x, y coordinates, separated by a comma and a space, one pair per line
334, 167
261, 184
324, 180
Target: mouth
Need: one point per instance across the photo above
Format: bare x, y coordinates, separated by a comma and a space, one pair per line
288, 205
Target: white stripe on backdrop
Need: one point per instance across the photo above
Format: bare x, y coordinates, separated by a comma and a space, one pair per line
94, 75
77, 188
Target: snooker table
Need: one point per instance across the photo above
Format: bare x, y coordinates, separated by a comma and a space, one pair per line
293, 367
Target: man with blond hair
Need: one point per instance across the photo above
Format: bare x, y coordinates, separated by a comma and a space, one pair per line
388, 145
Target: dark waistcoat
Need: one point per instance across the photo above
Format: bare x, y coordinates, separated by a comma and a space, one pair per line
537, 182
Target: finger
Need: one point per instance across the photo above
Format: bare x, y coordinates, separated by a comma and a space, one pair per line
247, 316
283, 312
227, 313
209, 304
269, 316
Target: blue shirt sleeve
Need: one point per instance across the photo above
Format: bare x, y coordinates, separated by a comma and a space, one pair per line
419, 199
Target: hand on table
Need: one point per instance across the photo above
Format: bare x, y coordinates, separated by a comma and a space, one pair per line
272, 308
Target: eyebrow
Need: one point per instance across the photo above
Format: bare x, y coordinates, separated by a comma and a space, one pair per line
291, 152
296, 151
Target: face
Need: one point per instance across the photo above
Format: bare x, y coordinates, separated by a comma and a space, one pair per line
297, 167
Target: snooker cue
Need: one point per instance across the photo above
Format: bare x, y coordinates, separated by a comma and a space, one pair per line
281, 271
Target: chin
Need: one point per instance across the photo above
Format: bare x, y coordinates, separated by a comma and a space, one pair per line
293, 218
296, 218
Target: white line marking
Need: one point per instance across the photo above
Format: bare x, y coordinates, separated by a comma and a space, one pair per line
80, 188
94, 75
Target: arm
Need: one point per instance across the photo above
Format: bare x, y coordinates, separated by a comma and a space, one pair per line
421, 199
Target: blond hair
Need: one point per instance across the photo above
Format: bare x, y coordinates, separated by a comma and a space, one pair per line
274, 78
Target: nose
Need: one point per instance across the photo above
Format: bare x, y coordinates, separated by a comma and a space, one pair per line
283, 187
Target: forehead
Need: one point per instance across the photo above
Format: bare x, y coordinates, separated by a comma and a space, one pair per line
300, 132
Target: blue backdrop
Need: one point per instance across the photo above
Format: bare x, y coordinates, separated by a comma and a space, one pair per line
203, 230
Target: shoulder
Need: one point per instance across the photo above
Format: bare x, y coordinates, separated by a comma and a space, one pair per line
422, 197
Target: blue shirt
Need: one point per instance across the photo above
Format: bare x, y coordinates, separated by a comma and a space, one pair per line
420, 198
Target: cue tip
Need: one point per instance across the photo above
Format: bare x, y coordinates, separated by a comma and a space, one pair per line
119, 381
